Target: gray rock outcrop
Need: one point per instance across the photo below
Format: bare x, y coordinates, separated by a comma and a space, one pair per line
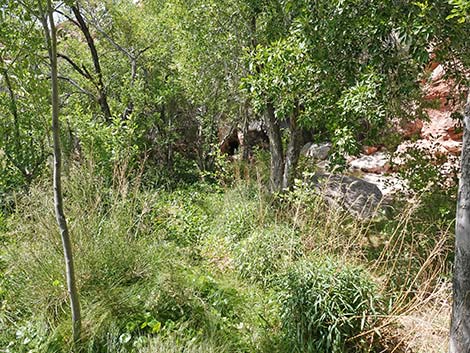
318, 151
359, 197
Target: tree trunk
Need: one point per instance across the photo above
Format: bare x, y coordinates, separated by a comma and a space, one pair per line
246, 146
275, 147
102, 95
460, 321
51, 38
293, 151
13, 109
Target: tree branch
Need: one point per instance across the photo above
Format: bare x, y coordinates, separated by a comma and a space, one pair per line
77, 68
102, 96
112, 42
69, 18
76, 85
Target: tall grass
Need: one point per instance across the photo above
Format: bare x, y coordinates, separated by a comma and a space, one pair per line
205, 269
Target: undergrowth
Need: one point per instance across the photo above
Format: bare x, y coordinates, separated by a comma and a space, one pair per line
206, 268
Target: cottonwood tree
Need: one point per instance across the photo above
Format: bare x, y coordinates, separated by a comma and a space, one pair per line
447, 21
342, 69
460, 323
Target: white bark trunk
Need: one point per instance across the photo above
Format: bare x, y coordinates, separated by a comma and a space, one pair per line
51, 39
460, 323
293, 152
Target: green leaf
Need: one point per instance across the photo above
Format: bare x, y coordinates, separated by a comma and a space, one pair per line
155, 325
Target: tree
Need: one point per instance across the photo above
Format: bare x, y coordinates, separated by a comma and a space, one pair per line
460, 322
459, 340
342, 68
50, 33
447, 22
23, 101
97, 79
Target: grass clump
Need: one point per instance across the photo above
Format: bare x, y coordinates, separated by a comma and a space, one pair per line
326, 304
267, 252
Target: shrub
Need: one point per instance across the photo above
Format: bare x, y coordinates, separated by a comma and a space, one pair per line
325, 304
266, 252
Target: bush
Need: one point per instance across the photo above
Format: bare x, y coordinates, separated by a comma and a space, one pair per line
325, 304
182, 216
266, 252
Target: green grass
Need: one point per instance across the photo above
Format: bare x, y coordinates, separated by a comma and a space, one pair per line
198, 269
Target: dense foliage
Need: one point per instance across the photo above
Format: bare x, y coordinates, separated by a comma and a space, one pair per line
180, 247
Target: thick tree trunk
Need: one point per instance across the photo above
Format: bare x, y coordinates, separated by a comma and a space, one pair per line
51, 38
460, 323
275, 147
293, 152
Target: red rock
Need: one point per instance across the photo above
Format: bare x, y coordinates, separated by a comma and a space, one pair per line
411, 128
453, 147
455, 136
368, 150
441, 136
439, 125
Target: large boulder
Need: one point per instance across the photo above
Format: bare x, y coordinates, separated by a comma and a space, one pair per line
359, 197
318, 151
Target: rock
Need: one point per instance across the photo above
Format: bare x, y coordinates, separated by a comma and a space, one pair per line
438, 73
441, 135
456, 135
433, 148
441, 90
427, 147
411, 128
359, 197
232, 139
374, 163
453, 147
440, 125
229, 141
389, 185
368, 150
254, 136
317, 151
444, 154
